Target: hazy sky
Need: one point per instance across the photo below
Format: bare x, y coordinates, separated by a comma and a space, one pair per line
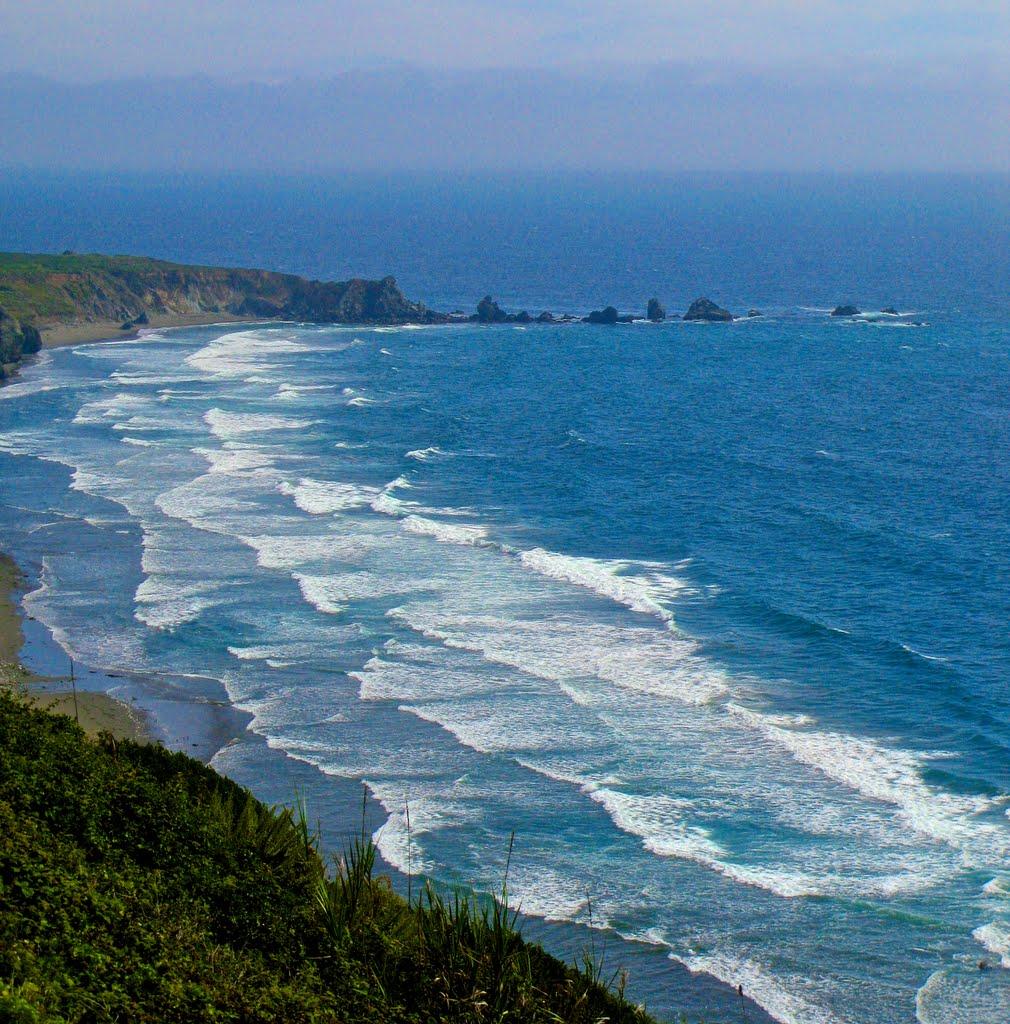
390, 84
88, 39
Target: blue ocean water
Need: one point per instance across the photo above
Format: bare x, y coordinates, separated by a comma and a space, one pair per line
712, 616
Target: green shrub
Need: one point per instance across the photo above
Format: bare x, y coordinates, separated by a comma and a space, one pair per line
137, 884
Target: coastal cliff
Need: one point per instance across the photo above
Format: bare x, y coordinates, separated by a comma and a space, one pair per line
41, 292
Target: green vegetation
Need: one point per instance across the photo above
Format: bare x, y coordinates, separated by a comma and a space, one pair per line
139, 885
41, 291
40, 287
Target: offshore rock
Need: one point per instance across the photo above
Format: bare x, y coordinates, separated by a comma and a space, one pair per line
489, 312
654, 311
706, 309
609, 315
845, 311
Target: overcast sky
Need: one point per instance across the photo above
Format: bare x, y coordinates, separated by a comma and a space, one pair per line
398, 84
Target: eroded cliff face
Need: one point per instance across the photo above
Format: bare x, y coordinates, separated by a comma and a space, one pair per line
17, 340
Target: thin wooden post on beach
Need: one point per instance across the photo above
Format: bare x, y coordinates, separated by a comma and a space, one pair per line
73, 687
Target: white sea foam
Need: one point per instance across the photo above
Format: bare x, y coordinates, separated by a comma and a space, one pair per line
659, 822
236, 460
997, 887
163, 602
241, 353
331, 593
229, 425
21, 389
324, 497
424, 454
292, 392
607, 578
287, 551
649, 661
779, 999
386, 503
995, 937
448, 533
548, 894
890, 775
399, 840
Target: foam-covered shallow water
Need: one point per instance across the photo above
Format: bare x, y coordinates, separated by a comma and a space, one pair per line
712, 617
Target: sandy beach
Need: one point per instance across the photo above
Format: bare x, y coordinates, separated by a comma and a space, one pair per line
63, 335
96, 712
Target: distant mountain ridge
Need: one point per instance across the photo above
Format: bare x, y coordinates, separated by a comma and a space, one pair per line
40, 291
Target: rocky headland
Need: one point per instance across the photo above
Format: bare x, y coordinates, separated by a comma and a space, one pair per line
40, 294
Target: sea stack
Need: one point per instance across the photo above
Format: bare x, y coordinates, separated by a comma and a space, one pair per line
489, 312
654, 311
706, 309
845, 311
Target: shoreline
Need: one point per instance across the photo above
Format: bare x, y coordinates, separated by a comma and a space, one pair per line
65, 335
96, 712
166, 712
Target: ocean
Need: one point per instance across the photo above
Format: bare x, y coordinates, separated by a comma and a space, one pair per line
712, 617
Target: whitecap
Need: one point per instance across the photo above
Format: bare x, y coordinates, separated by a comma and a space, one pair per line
229, 425
448, 533
607, 578
324, 497
995, 937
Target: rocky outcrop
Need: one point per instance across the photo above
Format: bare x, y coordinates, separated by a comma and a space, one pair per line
845, 311
17, 340
489, 312
751, 313
890, 311
706, 309
608, 315
654, 311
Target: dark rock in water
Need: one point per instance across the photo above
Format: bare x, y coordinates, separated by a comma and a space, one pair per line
751, 313
654, 311
890, 311
522, 318
489, 312
602, 316
545, 318
845, 311
706, 309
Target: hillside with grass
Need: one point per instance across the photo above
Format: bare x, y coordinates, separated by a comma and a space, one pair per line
139, 885
41, 291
